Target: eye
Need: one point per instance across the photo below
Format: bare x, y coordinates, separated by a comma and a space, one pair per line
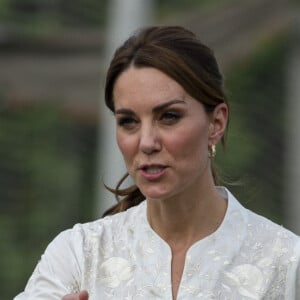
126, 122
170, 117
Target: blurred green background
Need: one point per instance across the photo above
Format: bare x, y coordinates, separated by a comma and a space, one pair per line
51, 73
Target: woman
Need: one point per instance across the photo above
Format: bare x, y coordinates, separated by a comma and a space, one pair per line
189, 239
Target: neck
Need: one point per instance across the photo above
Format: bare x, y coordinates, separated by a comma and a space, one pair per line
185, 219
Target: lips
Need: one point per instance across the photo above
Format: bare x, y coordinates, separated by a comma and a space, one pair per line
153, 171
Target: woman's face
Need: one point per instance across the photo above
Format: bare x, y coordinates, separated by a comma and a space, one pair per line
163, 133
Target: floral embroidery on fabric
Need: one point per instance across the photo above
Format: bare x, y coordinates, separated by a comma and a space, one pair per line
247, 258
114, 271
120, 257
248, 280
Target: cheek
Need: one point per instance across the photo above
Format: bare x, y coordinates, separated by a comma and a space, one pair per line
127, 146
192, 141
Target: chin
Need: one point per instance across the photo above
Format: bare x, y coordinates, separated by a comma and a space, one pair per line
156, 190
156, 195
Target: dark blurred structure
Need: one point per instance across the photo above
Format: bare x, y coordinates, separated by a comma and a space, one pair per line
76, 13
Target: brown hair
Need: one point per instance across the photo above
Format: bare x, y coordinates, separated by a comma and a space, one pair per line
178, 53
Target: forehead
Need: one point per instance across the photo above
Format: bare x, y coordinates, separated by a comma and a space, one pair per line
140, 84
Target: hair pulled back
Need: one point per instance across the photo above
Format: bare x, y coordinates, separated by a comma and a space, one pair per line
178, 53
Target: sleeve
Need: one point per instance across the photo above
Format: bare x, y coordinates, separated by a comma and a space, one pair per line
293, 278
58, 272
297, 285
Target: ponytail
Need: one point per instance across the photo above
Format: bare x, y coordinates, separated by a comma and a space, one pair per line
132, 196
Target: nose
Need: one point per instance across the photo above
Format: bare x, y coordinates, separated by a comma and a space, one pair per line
149, 140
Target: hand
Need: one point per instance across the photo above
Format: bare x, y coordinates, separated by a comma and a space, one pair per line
83, 295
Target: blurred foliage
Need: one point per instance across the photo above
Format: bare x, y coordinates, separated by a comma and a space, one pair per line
254, 155
46, 185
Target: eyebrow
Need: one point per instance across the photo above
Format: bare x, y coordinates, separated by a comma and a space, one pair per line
166, 104
156, 109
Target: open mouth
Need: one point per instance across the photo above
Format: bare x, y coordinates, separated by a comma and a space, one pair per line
153, 169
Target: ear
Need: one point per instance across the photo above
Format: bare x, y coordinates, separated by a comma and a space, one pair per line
218, 123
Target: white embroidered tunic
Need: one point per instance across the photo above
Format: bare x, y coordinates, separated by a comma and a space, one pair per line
121, 257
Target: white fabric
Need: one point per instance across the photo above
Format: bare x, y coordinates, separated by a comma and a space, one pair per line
121, 257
